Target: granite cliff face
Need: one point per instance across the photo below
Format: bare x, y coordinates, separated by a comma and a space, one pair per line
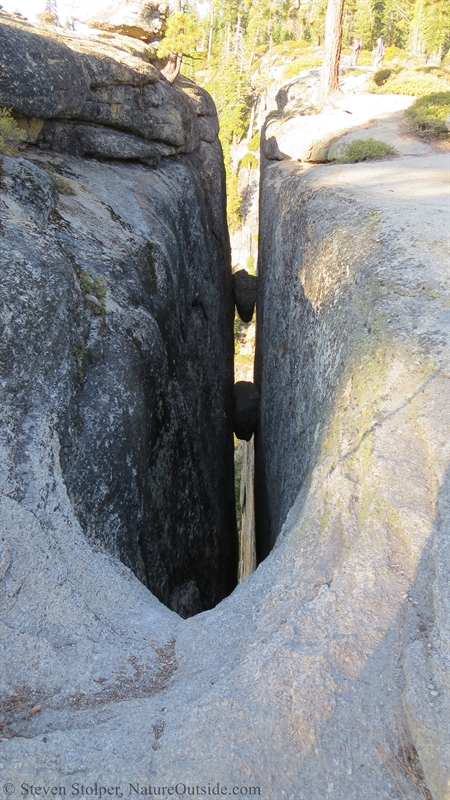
118, 340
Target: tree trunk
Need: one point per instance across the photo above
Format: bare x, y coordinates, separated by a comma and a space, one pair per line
172, 67
177, 6
329, 76
211, 29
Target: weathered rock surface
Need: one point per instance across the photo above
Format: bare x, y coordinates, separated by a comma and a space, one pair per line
139, 265
100, 142
140, 19
244, 292
133, 414
311, 137
352, 451
76, 80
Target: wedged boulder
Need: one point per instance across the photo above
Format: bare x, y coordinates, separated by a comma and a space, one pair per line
140, 19
244, 292
245, 408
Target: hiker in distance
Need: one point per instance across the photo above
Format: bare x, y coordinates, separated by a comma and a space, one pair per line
356, 47
379, 53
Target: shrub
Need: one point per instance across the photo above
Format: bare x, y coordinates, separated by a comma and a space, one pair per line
417, 82
381, 76
251, 265
365, 150
308, 61
48, 18
428, 114
250, 161
10, 133
289, 48
62, 185
394, 52
95, 288
254, 142
365, 58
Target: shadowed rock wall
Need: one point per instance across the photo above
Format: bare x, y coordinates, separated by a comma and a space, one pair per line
120, 330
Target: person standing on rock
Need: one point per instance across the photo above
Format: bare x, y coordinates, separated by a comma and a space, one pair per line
379, 53
356, 47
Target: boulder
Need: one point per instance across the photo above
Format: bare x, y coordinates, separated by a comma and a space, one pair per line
244, 292
139, 19
246, 407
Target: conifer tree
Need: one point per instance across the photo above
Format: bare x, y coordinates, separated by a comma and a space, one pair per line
50, 14
329, 77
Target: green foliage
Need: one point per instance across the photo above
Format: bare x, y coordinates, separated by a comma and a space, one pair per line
417, 81
95, 287
79, 352
381, 76
10, 133
289, 48
308, 61
251, 265
234, 200
365, 58
237, 327
365, 150
183, 36
48, 18
430, 27
255, 142
428, 114
364, 24
250, 161
394, 52
62, 185
231, 92
282, 31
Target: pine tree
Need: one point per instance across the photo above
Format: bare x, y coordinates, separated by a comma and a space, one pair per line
50, 14
430, 28
396, 23
364, 21
329, 76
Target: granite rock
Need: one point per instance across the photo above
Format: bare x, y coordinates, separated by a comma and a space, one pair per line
66, 77
140, 19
